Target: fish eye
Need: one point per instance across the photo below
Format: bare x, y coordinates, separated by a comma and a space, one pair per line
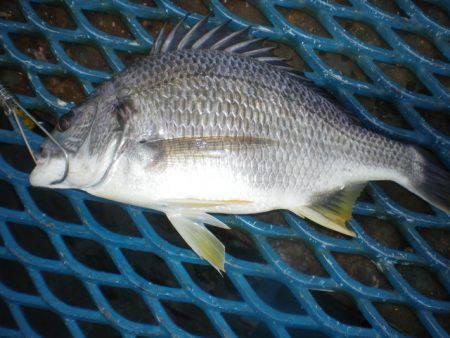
64, 122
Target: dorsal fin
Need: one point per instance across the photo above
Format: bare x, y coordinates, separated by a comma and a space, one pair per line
217, 38
221, 38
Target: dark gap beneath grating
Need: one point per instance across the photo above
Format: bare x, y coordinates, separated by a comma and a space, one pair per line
443, 320
325, 231
439, 120
190, 318
112, 217
344, 65
128, 304
363, 270
47, 119
299, 255
4, 121
365, 196
383, 110
154, 26
151, 267
8, 197
383, 232
238, 244
247, 326
432, 157
1, 241
208, 279
33, 46
11, 10
299, 332
389, 6
363, 32
421, 44
245, 10
271, 217
16, 277
276, 295
162, 226
403, 77
46, 323
86, 56
305, 20
150, 3
340, 306
33, 240
109, 23
67, 89
402, 318
69, 290
285, 51
55, 15
438, 239
405, 198
16, 81
6, 318
54, 204
17, 156
129, 58
193, 6
340, 2
95, 330
435, 12
90, 253
444, 80
424, 281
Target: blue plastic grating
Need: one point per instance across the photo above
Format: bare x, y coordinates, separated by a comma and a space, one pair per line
253, 286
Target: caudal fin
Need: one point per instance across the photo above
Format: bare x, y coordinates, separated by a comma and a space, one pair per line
431, 183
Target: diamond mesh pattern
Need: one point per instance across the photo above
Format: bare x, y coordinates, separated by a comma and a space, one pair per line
126, 267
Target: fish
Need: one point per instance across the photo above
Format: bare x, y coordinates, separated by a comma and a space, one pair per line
211, 121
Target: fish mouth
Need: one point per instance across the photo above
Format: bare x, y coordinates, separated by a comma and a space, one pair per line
48, 174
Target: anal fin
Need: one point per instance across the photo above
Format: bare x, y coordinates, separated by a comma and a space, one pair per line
332, 210
190, 226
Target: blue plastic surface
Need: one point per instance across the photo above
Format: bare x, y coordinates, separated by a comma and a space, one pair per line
312, 317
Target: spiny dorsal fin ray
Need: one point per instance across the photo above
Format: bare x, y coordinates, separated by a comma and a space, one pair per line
193, 34
211, 36
219, 38
174, 36
199, 238
243, 46
333, 210
264, 51
231, 38
156, 47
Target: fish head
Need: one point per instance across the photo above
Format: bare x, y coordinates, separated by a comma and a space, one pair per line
82, 145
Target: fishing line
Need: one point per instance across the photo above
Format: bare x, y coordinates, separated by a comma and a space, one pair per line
11, 107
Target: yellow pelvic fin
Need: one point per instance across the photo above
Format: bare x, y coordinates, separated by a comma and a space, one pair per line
199, 238
333, 210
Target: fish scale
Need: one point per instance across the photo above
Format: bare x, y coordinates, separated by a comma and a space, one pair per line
196, 131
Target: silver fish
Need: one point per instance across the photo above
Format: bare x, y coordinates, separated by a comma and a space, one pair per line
211, 122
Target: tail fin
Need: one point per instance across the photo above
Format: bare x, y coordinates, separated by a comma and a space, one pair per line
430, 182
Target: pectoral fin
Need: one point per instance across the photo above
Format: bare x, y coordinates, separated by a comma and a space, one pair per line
333, 210
214, 146
199, 238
